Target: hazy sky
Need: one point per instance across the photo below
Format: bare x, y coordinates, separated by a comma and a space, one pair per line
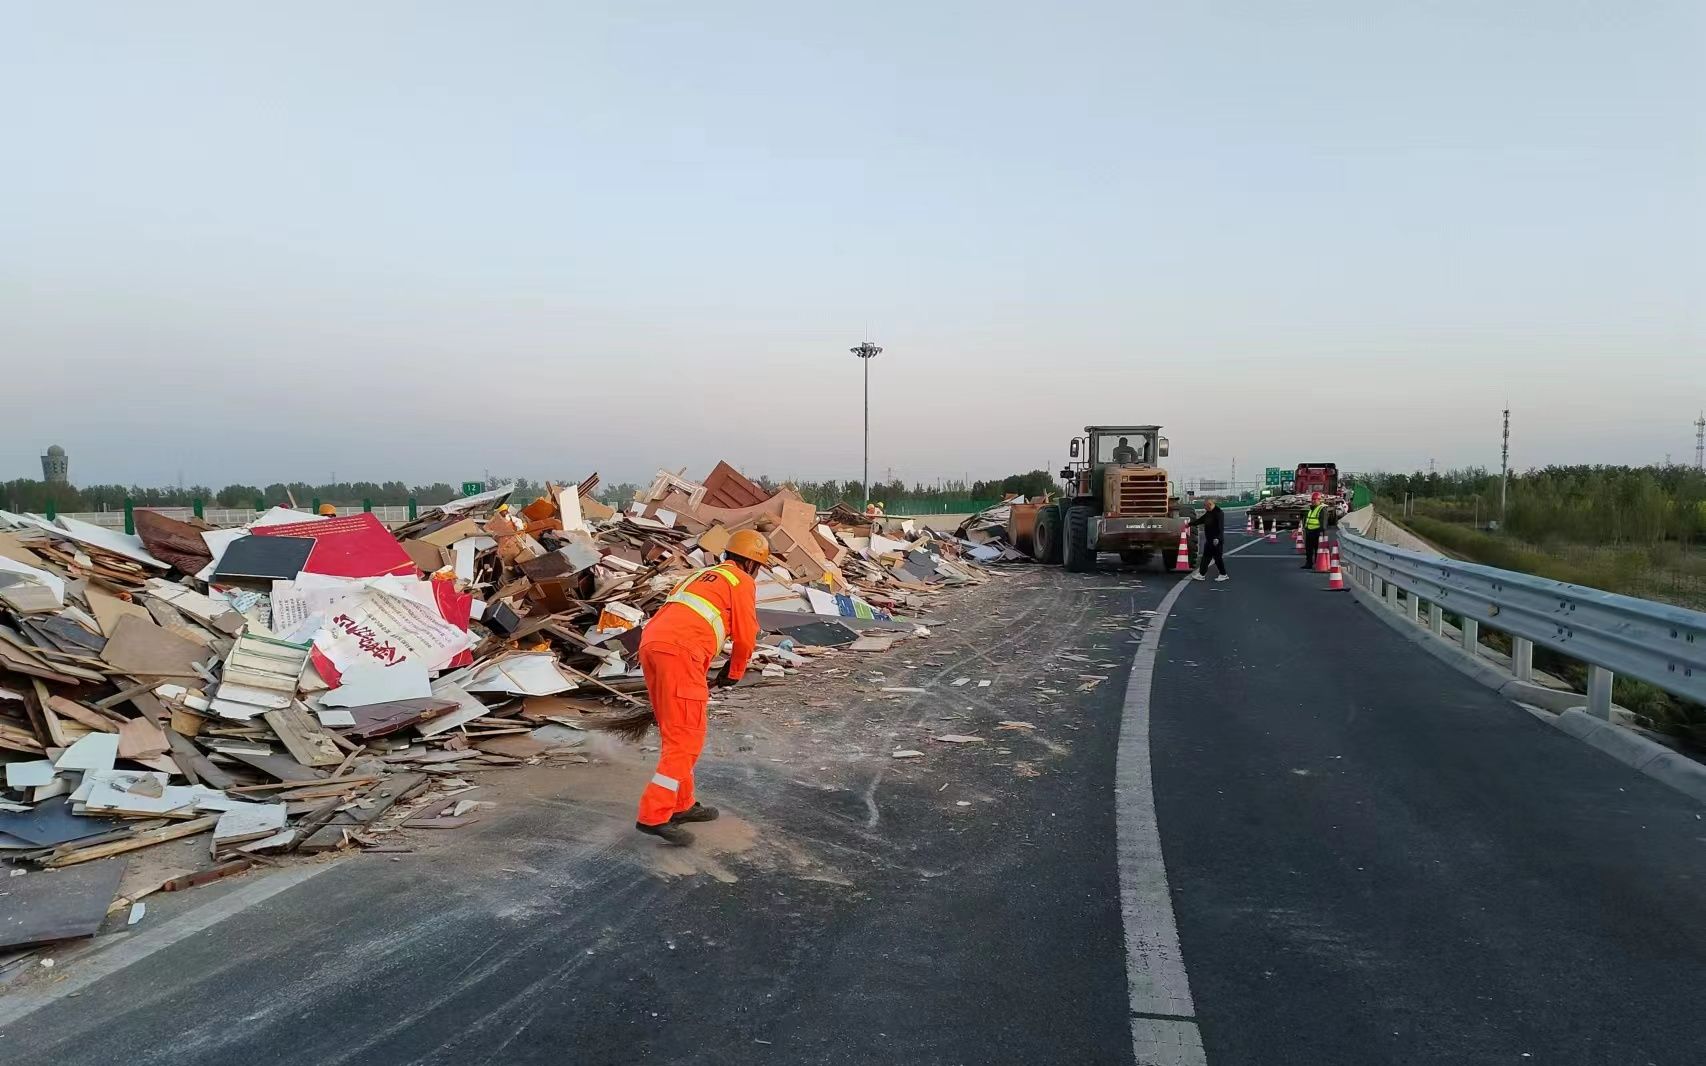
427, 240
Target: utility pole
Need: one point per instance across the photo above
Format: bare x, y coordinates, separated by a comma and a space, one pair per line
866, 352
1700, 442
1505, 467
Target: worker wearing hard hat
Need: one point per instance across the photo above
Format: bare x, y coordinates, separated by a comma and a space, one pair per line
328, 511
676, 649
1314, 521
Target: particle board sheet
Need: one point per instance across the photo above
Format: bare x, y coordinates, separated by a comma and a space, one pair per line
52, 822
49, 905
141, 648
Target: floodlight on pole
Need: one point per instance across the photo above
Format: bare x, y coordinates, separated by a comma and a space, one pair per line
867, 352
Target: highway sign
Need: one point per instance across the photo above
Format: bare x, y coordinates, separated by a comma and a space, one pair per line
1277, 476
473, 488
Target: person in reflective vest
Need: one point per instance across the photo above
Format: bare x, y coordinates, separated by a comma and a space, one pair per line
676, 648
1314, 520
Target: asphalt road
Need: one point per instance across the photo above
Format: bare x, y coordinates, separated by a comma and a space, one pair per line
873, 918
1383, 864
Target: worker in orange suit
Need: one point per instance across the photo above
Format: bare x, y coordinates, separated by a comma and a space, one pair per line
676, 649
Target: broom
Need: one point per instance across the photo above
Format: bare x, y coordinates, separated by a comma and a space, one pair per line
631, 725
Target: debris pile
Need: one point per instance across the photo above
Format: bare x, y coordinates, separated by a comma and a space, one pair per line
1283, 512
306, 684
998, 537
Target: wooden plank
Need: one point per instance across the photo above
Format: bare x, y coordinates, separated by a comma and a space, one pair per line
384, 796
308, 742
197, 767
74, 856
282, 767
50, 721
124, 694
78, 713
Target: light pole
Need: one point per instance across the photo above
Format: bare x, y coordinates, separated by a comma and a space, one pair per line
867, 352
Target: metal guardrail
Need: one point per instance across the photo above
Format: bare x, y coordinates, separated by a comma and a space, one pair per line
1653, 642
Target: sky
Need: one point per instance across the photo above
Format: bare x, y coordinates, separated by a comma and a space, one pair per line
428, 241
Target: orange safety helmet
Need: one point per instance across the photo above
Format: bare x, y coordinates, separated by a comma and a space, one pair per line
328, 510
749, 544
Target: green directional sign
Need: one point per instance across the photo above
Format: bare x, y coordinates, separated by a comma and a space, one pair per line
473, 488
1277, 475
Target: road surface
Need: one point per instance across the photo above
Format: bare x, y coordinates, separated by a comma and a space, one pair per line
1384, 865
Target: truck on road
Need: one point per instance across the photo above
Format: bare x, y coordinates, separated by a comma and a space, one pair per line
1117, 498
1286, 511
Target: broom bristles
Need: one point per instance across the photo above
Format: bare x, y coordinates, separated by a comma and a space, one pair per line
631, 726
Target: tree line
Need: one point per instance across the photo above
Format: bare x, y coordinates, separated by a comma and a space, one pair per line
1615, 505
24, 494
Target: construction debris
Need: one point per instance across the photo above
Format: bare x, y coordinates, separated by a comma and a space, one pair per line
306, 684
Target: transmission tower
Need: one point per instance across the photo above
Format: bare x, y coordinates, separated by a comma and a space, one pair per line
1505, 467
1700, 442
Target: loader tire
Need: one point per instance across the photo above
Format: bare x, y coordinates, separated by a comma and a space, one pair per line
1045, 539
1079, 557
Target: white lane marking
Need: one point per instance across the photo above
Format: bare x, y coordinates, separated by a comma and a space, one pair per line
140, 946
1246, 544
1163, 1027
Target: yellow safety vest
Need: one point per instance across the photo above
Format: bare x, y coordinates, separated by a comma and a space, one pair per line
1313, 521
704, 608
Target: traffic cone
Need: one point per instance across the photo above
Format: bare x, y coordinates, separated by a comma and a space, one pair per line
1321, 566
1273, 538
1183, 565
1297, 540
1249, 521
1335, 576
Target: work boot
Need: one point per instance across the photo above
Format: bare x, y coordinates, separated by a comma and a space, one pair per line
668, 832
696, 813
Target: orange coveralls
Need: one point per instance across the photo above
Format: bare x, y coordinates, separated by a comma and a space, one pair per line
676, 649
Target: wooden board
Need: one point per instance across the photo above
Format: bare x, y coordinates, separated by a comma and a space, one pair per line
143, 648
78, 713
39, 908
141, 739
383, 797
282, 767
108, 609
308, 742
197, 767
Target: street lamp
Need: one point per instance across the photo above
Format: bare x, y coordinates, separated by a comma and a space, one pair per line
867, 352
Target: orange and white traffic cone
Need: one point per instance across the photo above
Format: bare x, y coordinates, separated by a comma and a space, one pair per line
1183, 564
1335, 576
1249, 521
1273, 535
1297, 540
1321, 561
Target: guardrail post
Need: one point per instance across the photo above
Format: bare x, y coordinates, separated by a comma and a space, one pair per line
197, 506
414, 507
366, 506
1413, 608
1436, 619
1391, 592
1599, 692
314, 505
1522, 658
1471, 635
129, 517
50, 511
260, 505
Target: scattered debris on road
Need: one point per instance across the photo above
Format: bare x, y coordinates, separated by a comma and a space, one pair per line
306, 684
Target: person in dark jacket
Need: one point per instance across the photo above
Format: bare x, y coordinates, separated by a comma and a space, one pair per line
1213, 523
